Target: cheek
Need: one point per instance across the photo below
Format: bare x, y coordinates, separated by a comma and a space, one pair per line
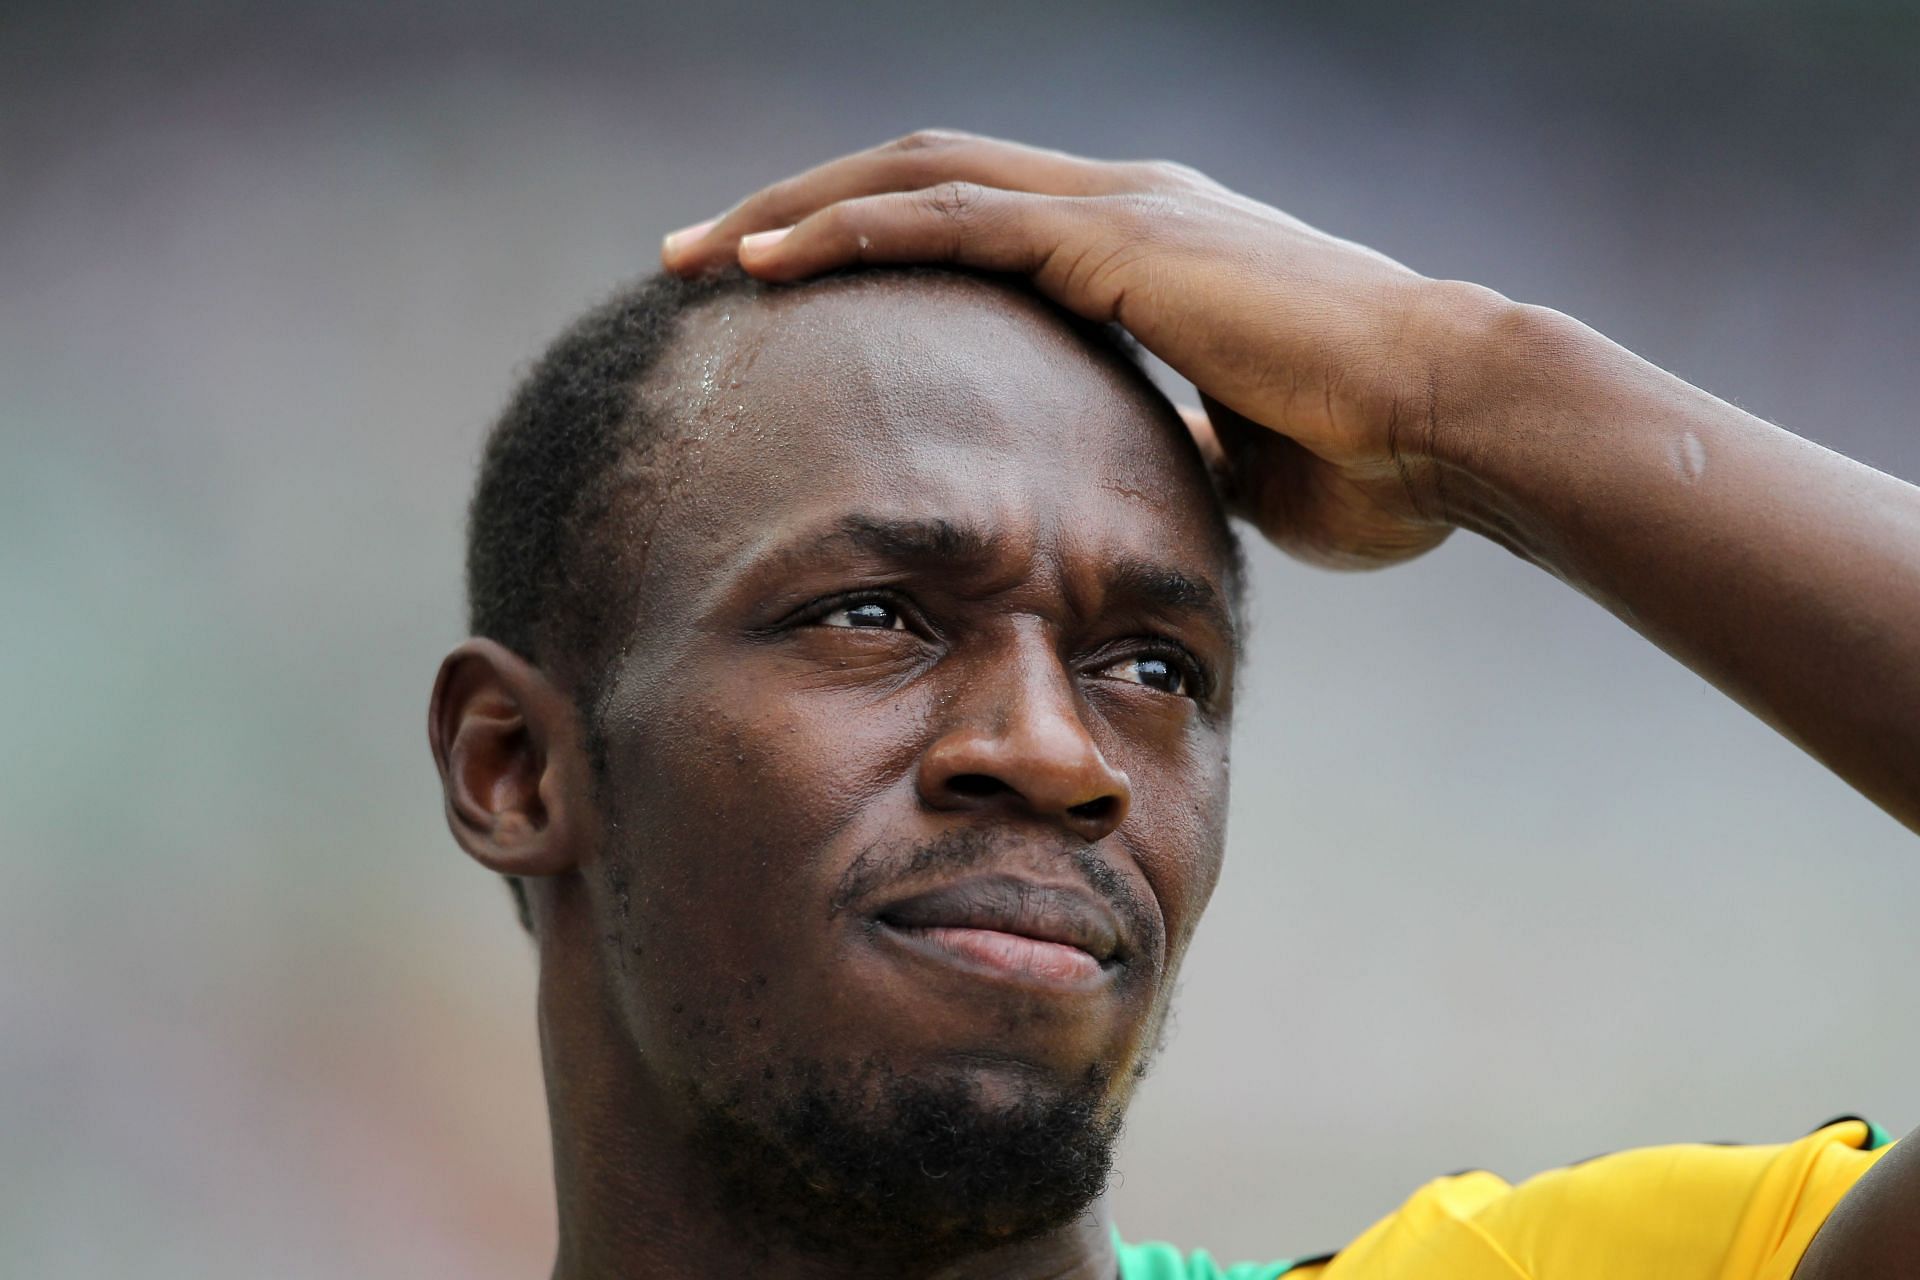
1178, 831
735, 811
740, 795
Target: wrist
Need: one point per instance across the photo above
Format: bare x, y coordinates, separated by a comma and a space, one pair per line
1478, 350
1509, 386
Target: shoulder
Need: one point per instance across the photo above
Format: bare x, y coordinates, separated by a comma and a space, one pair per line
1692, 1211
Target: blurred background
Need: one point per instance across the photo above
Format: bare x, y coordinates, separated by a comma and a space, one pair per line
1507, 887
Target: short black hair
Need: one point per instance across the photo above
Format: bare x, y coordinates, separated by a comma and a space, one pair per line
548, 470
551, 471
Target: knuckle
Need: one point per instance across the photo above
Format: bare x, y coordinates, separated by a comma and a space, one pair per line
927, 140
1143, 213
836, 222
955, 201
1160, 175
1171, 173
1155, 177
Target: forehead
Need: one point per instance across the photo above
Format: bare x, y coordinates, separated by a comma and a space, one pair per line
913, 397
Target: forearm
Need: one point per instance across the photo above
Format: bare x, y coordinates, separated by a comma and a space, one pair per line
1784, 573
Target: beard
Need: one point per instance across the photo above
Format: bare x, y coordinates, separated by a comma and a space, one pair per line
881, 1166
868, 1166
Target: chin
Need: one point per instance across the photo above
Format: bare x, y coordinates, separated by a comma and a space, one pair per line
994, 1082
974, 1150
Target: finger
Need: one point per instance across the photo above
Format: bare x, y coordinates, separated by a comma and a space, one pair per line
1244, 451
1200, 427
913, 163
955, 222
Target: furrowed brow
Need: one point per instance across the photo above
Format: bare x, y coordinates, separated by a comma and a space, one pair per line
931, 541
925, 544
1168, 588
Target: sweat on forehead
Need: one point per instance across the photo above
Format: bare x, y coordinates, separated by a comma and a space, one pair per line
917, 396
635, 415
890, 331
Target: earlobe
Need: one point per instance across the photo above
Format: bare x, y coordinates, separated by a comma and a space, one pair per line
507, 744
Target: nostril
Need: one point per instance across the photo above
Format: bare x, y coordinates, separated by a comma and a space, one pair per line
977, 786
1100, 810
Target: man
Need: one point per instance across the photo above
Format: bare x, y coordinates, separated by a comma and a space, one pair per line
854, 670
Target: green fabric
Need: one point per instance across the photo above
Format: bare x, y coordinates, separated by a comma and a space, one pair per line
1164, 1262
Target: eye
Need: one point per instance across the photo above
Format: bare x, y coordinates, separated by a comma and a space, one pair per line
872, 615
1156, 672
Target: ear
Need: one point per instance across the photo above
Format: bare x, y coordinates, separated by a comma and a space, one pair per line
512, 762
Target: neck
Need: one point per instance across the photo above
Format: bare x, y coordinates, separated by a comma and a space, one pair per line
635, 1201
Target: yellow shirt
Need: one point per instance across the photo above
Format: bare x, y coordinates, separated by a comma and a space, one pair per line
1692, 1212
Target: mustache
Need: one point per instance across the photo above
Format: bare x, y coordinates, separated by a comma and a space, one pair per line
887, 864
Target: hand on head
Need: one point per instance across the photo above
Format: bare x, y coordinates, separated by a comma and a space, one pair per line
1320, 361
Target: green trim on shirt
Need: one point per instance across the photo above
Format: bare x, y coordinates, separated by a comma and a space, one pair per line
1164, 1262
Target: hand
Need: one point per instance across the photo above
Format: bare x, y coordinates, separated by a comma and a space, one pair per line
1317, 358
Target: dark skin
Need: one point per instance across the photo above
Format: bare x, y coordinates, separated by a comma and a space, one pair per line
1363, 411
1358, 411
923, 566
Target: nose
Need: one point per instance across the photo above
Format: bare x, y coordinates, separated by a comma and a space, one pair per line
1022, 743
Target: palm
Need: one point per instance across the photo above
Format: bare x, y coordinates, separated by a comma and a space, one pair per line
1343, 516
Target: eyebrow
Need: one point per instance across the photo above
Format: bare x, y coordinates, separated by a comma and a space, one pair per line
1169, 588
915, 541
940, 542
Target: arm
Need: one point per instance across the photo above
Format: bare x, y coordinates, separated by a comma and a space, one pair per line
1783, 573
1362, 411
1874, 1233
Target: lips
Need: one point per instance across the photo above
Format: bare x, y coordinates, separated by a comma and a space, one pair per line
1053, 933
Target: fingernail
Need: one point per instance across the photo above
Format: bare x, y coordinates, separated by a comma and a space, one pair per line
685, 236
762, 241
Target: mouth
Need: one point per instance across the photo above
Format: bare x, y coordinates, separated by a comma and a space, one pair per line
1003, 926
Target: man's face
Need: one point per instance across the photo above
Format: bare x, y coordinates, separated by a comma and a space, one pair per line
916, 759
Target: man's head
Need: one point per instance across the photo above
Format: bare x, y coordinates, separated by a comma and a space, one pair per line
856, 717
